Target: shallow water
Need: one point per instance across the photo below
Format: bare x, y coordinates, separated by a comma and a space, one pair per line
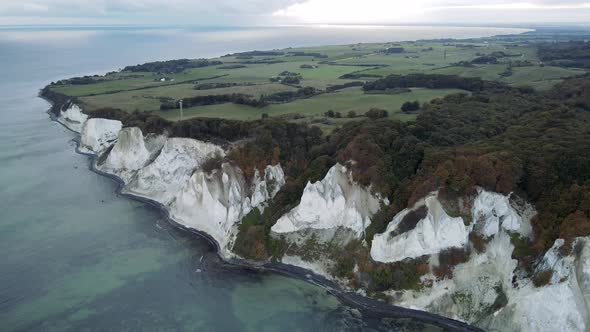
75, 256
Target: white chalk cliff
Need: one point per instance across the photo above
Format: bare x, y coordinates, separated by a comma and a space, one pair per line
434, 233
169, 171
99, 134
478, 287
486, 290
72, 117
438, 231
492, 211
334, 202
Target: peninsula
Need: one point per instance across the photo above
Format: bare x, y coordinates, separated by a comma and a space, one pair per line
446, 176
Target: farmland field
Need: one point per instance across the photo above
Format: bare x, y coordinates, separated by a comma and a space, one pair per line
303, 84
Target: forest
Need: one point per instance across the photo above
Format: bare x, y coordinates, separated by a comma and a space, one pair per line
569, 54
534, 144
171, 66
432, 81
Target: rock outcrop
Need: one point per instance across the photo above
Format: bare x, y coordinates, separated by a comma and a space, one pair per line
99, 134
72, 118
436, 231
169, 171
334, 202
487, 289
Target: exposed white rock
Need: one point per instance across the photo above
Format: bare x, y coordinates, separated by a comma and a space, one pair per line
170, 172
492, 211
129, 152
216, 203
485, 281
72, 118
336, 201
434, 233
213, 203
562, 305
438, 231
552, 260
549, 308
99, 134
486, 278
154, 144
474, 288
267, 187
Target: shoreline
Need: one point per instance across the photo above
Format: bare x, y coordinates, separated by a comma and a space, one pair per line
352, 299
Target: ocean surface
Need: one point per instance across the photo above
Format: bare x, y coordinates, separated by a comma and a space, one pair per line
76, 257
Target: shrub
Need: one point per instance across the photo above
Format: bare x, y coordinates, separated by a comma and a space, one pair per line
410, 106
448, 259
376, 113
410, 221
478, 241
212, 163
542, 278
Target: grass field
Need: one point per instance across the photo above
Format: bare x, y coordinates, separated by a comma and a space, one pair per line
145, 91
352, 99
148, 99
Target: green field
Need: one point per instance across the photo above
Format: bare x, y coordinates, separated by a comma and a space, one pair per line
351, 99
318, 67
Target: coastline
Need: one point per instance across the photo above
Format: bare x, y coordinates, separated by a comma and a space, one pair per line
352, 299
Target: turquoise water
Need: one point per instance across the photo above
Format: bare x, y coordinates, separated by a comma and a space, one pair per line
76, 257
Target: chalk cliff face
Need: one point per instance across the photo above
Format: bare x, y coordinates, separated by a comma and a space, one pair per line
99, 134
562, 305
215, 203
435, 232
438, 231
334, 202
72, 117
487, 289
128, 155
266, 187
169, 171
492, 211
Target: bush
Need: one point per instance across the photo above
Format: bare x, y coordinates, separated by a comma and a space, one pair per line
448, 259
212, 164
411, 106
478, 241
542, 278
376, 113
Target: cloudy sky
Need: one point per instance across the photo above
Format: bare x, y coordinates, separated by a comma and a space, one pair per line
271, 12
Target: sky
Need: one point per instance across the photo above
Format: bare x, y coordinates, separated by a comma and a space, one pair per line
292, 12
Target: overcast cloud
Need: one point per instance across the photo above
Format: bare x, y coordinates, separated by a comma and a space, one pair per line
268, 12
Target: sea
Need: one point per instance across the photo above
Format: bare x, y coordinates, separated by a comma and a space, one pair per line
75, 256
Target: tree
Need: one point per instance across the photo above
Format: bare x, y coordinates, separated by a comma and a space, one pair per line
330, 114
376, 113
410, 106
351, 114
264, 116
